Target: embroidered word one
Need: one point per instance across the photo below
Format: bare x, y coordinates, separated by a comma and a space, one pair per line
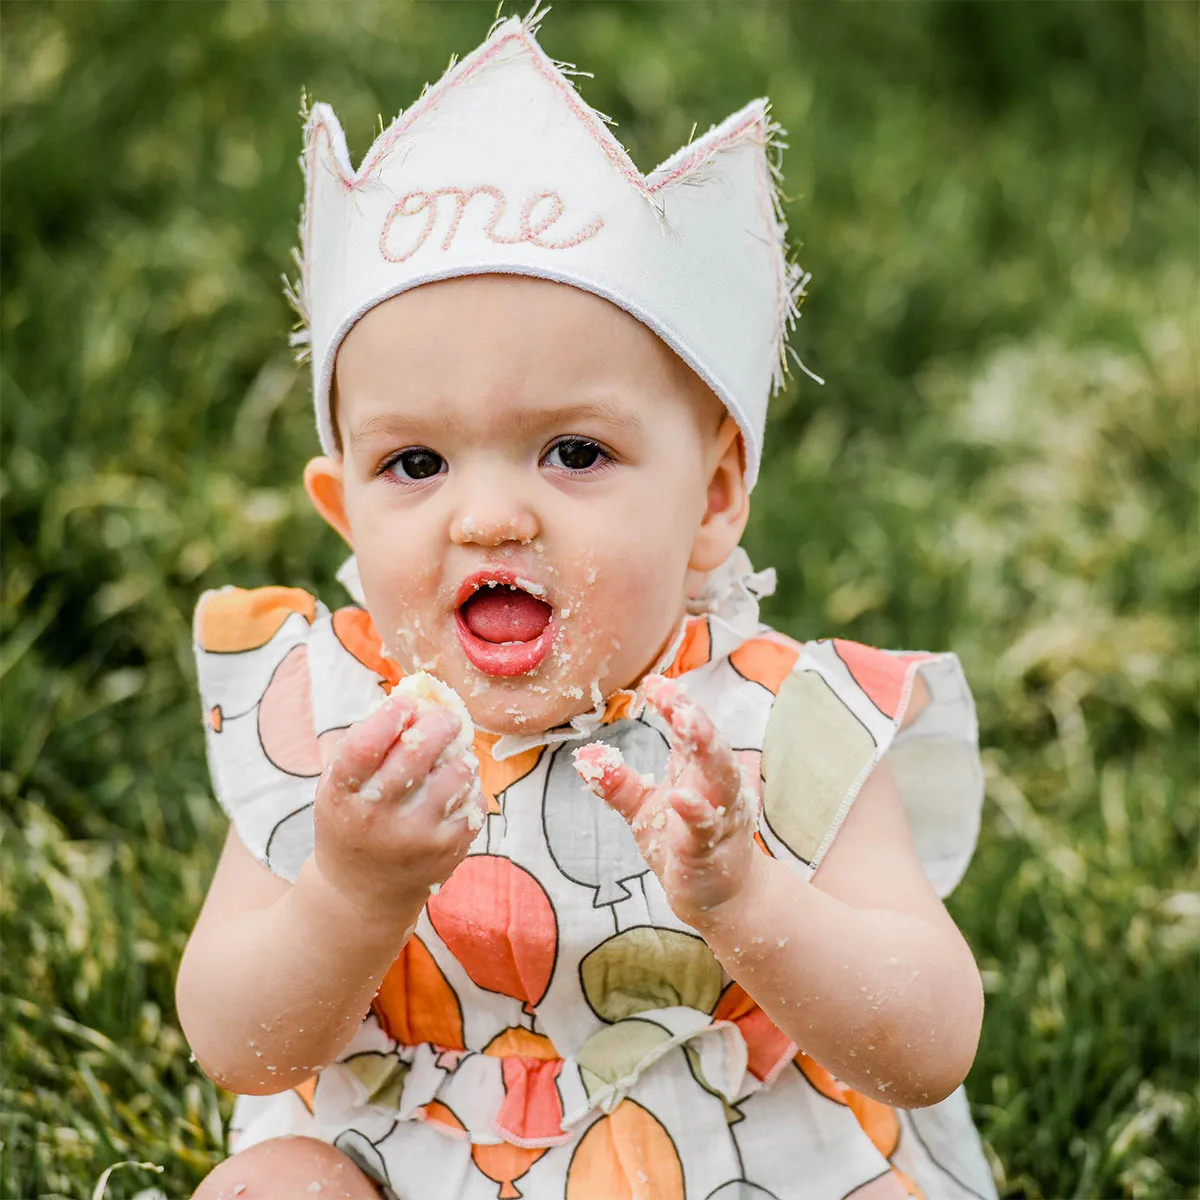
539, 213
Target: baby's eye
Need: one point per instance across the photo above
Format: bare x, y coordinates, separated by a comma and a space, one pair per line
416, 463
575, 454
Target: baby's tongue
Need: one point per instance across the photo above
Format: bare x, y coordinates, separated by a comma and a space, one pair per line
505, 615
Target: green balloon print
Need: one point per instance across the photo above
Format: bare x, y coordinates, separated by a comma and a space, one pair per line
612, 1053
733, 1116
383, 1076
648, 967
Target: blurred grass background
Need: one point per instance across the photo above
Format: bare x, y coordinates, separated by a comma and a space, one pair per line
998, 202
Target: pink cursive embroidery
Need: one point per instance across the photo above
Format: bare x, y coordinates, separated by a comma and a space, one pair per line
539, 213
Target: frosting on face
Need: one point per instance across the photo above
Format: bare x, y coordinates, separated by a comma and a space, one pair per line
524, 474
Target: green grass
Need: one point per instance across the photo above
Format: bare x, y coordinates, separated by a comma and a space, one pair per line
999, 206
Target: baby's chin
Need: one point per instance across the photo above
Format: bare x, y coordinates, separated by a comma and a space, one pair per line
526, 705
570, 681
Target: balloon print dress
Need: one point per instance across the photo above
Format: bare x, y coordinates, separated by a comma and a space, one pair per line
552, 1030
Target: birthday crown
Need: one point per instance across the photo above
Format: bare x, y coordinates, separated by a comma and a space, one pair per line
501, 168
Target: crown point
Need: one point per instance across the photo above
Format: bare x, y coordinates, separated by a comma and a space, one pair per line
505, 168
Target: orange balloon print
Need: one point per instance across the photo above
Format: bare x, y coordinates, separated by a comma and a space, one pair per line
522, 1043
285, 717
237, 619
695, 649
766, 660
625, 1156
894, 1185
766, 1045
499, 923
879, 674
505, 1164
437, 1113
495, 776
878, 1121
619, 706
532, 1109
357, 633
912, 1189
307, 1091
502, 1163
415, 1004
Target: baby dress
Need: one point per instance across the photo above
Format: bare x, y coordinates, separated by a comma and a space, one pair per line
552, 1030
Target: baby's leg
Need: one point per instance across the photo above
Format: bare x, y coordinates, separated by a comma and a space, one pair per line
285, 1168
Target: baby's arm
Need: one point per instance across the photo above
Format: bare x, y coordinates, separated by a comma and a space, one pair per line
862, 967
276, 977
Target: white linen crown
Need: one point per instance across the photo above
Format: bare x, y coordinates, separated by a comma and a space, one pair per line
501, 168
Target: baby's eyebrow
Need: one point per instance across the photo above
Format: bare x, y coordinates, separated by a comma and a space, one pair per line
386, 425
608, 412
528, 421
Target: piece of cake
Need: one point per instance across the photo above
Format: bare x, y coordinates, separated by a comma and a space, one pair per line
429, 691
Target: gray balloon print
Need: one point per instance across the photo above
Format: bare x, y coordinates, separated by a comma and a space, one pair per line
589, 842
291, 842
739, 1189
363, 1152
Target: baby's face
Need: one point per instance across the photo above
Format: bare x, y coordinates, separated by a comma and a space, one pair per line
527, 481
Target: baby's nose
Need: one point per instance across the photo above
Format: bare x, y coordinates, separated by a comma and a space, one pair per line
493, 525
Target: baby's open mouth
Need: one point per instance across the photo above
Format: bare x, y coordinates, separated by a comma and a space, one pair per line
504, 628
499, 613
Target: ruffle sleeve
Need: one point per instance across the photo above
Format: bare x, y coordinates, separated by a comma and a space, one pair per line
842, 707
281, 677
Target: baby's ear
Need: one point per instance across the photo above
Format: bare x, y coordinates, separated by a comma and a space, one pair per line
728, 501
323, 482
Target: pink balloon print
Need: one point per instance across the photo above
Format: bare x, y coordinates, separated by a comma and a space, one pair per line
285, 717
880, 674
498, 922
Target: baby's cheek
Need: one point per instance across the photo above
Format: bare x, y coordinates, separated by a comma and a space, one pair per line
404, 606
648, 585
617, 631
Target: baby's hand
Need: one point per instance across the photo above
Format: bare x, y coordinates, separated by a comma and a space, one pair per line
696, 828
394, 814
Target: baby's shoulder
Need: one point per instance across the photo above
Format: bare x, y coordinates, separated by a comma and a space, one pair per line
232, 619
890, 679
281, 676
838, 708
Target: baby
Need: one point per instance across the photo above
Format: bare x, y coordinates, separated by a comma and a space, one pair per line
667, 923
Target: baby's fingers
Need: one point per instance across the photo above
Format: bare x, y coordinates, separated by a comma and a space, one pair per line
409, 758
698, 815
361, 751
704, 827
605, 772
418, 750
452, 791
695, 736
